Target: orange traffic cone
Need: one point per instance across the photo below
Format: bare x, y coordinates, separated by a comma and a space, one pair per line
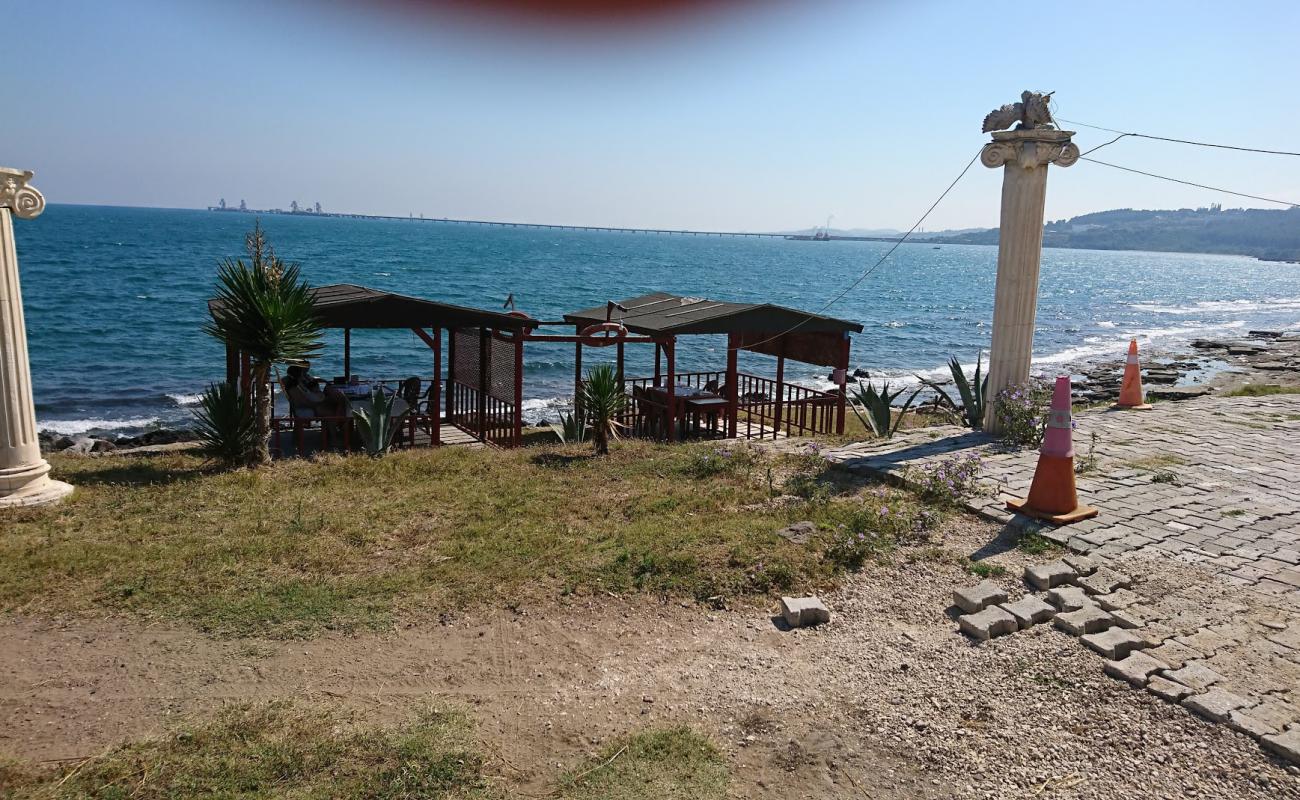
1130, 391
1052, 496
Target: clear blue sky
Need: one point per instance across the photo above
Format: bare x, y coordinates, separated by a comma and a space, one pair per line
767, 117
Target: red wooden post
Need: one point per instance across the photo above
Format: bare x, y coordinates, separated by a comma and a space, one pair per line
232, 366
658, 372
435, 394
519, 389
780, 390
347, 355
671, 347
451, 373
733, 389
577, 375
844, 385
484, 369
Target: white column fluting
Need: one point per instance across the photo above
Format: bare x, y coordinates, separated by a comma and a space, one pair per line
1024, 156
24, 475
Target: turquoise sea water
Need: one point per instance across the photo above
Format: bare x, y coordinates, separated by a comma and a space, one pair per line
115, 298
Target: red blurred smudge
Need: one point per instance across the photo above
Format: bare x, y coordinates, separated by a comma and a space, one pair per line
578, 13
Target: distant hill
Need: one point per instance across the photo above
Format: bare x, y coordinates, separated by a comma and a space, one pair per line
1273, 235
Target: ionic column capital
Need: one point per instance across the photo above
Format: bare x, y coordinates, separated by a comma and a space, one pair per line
17, 194
1030, 149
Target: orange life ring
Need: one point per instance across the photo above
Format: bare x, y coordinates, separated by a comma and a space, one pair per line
519, 314
591, 335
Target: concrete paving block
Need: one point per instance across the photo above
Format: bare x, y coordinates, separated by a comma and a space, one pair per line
1276, 713
1045, 576
1080, 563
1089, 619
1113, 643
1246, 722
1136, 668
1176, 654
1127, 618
978, 597
800, 612
1196, 675
992, 621
1104, 581
1216, 704
1118, 600
1030, 610
1166, 689
1069, 598
1285, 744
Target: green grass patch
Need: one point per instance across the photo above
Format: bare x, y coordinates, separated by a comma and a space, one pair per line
1035, 544
273, 751
350, 543
985, 569
1262, 390
670, 762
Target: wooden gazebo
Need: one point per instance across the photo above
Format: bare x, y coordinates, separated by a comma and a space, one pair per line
755, 406
483, 392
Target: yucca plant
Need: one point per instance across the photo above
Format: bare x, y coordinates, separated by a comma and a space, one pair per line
971, 391
376, 423
879, 405
602, 401
264, 309
571, 428
225, 424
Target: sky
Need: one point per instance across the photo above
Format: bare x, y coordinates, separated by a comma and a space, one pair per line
752, 116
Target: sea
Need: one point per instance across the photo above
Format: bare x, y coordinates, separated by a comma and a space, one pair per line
115, 300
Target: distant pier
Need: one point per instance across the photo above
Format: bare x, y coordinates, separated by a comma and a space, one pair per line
539, 225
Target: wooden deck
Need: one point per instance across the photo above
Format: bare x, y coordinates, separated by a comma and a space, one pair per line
449, 435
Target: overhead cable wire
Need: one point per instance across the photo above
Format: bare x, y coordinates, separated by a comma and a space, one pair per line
880, 261
1188, 183
1123, 134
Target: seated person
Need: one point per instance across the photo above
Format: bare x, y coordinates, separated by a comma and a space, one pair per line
307, 398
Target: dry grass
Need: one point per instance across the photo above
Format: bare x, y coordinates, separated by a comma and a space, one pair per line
273, 750
278, 750
346, 543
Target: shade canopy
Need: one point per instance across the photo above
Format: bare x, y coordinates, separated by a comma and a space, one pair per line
660, 313
346, 305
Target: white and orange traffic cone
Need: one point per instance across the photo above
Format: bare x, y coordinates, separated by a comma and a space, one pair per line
1052, 496
1131, 396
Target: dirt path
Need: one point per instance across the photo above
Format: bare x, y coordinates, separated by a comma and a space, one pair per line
886, 702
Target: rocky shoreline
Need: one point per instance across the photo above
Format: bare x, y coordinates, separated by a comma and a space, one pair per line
1212, 365
83, 445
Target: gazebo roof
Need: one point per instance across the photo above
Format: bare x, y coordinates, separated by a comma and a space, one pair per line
346, 305
660, 313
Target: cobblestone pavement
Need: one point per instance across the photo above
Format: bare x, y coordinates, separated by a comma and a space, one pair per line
1200, 510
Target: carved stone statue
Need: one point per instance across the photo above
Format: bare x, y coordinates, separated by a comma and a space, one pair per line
1031, 113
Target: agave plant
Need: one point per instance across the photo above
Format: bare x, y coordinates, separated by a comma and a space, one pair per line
376, 423
879, 406
225, 424
602, 401
571, 428
264, 309
971, 391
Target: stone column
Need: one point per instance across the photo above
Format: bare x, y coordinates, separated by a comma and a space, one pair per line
1024, 156
24, 475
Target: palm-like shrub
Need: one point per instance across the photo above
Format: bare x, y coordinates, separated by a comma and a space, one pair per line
376, 423
602, 401
970, 390
878, 405
265, 311
225, 424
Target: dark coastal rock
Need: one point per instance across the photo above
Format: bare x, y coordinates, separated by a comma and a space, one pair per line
102, 446
1208, 344
1264, 334
160, 436
861, 373
1272, 366
1178, 392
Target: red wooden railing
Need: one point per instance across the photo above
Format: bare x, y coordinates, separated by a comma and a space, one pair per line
763, 406
487, 418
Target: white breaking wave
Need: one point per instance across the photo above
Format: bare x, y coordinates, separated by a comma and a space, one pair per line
73, 427
185, 399
1223, 306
